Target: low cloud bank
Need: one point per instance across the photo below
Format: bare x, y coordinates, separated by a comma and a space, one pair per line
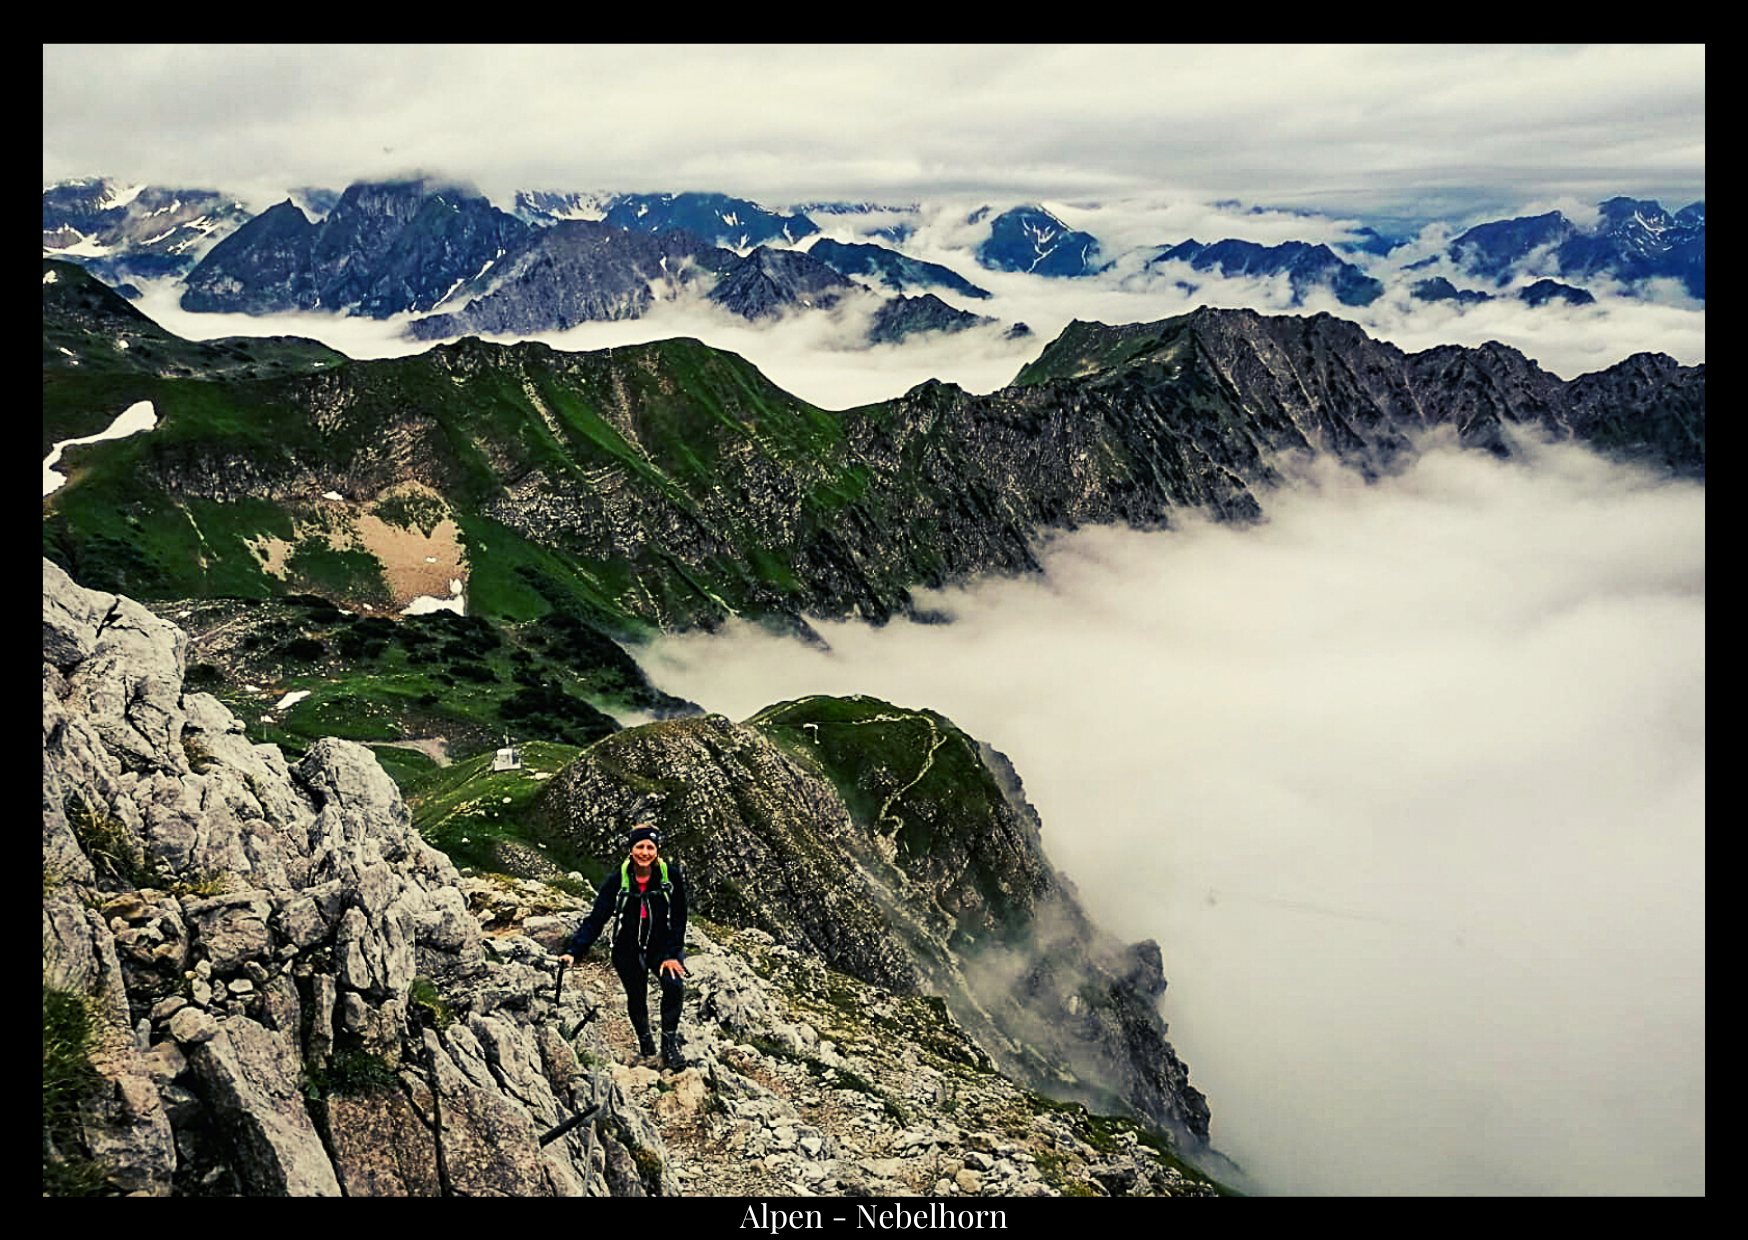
821, 357
1409, 783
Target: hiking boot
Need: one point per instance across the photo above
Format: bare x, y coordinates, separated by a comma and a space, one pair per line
671, 1051
646, 1047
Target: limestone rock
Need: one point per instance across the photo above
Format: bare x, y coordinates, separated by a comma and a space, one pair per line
249, 1076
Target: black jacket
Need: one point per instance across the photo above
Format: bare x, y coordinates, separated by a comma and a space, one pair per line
662, 936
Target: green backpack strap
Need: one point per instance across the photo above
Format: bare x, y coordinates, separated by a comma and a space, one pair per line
666, 888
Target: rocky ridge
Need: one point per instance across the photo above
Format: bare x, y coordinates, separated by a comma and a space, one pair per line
293, 994
897, 849
385, 248
688, 488
1306, 266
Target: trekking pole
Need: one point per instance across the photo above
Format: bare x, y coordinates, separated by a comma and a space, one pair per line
581, 1117
558, 989
578, 1027
585, 1115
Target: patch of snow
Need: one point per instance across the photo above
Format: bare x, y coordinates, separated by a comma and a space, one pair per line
291, 699
333, 495
446, 296
49, 277
120, 197
85, 247
136, 418
425, 603
159, 237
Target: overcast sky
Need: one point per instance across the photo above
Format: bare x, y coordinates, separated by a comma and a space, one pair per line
1375, 130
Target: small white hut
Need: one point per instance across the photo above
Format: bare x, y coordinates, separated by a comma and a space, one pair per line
507, 758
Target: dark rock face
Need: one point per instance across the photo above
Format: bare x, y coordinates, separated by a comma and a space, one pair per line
893, 269
904, 316
384, 249
768, 282
1031, 239
574, 272
262, 267
1440, 289
1491, 249
715, 217
1543, 291
1306, 266
904, 853
1371, 241
1635, 240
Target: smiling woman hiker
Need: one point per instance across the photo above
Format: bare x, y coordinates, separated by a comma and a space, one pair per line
646, 898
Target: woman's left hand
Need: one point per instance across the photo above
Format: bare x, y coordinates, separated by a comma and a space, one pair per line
673, 966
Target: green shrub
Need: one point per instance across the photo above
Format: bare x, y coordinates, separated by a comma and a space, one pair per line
105, 840
69, 1031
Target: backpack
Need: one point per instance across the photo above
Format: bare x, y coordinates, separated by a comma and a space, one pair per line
665, 887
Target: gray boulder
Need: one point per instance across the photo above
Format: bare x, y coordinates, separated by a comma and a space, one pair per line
250, 933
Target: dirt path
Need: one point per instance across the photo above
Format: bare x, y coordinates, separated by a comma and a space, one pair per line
435, 748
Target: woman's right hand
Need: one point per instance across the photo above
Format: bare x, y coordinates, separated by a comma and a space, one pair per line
565, 960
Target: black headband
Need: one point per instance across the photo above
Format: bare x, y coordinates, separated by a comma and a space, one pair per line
643, 833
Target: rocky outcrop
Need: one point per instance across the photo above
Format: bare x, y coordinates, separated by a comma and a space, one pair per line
903, 316
891, 268
767, 283
1306, 266
1031, 239
897, 850
384, 249
288, 986
574, 272
289, 993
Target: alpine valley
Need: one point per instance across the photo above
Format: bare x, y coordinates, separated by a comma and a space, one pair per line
301, 894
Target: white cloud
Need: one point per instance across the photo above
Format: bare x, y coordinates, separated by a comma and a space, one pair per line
1408, 782
1419, 131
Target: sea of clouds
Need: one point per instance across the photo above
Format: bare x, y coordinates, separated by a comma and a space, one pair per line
1408, 782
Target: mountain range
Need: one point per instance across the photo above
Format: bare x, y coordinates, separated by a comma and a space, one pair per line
1305, 266
125, 231
443, 252
264, 973
1634, 240
671, 484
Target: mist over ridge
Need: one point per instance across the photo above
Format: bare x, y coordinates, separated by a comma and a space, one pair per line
824, 357
1407, 781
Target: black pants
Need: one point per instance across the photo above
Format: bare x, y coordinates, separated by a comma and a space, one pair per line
635, 974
